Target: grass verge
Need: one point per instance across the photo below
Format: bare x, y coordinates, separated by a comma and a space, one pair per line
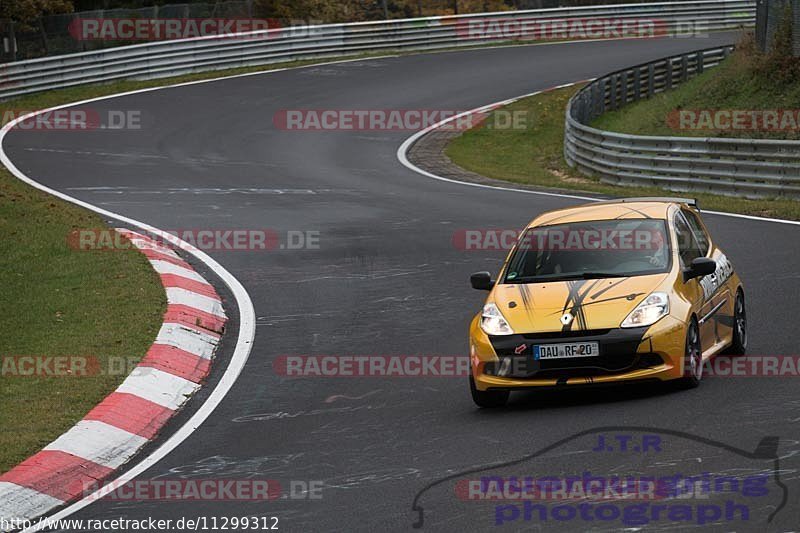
534, 155
58, 301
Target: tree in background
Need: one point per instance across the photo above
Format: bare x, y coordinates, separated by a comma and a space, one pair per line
26, 13
780, 63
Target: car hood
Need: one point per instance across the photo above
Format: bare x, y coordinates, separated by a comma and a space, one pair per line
593, 303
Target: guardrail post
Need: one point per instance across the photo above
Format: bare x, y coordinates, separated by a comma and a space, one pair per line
596, 100
651, 74
668, 75
684, 67
700, 62
637, 84
586, 107
612, 97
624, 88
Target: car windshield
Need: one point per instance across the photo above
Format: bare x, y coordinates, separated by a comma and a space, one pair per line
590, 250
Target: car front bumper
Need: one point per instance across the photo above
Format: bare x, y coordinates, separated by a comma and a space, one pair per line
650, 353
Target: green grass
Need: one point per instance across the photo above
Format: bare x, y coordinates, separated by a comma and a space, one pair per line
534, 155
735, 84
60, 301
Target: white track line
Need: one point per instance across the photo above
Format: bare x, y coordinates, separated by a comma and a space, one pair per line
247, 317
402, 156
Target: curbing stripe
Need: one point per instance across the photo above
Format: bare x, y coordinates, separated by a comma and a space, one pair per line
18, 503
177, 362
164, 267
57, 474
174, 281
78, 461
98, 442
212, 306
146, 243
160, 256
191, 317
131, 413
194, 341
157, 386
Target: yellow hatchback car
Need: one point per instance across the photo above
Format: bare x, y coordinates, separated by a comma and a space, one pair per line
613, 291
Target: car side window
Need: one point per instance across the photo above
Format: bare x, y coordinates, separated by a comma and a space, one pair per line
688, 249
698, 231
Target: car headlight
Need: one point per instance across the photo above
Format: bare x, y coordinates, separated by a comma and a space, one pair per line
649, 311
493, 322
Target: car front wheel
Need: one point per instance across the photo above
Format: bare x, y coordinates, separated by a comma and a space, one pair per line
693, 358
739, 342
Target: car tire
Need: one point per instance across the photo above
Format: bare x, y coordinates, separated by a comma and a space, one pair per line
739, 339
489, 398
693, 358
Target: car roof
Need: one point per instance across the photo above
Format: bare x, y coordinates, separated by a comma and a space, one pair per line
629, 208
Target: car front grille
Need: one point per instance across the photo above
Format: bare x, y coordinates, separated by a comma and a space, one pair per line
617, 354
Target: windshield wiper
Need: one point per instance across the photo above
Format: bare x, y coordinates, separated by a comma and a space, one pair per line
597, 275
568, 276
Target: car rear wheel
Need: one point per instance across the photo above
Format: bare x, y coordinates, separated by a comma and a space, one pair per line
739, 342
693, 358
489, 398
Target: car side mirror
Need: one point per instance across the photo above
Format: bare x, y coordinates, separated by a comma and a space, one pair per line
481, 281
701, 266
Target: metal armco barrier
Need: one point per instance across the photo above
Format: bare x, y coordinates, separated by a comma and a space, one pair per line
171, 58
735, 167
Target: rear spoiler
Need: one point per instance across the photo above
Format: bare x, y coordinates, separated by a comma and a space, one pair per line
691, 202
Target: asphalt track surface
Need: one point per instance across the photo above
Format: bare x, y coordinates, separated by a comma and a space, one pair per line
386, 280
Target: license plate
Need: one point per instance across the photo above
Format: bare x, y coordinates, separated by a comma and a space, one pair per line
565, 350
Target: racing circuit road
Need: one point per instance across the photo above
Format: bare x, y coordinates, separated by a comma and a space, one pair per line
386, 280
